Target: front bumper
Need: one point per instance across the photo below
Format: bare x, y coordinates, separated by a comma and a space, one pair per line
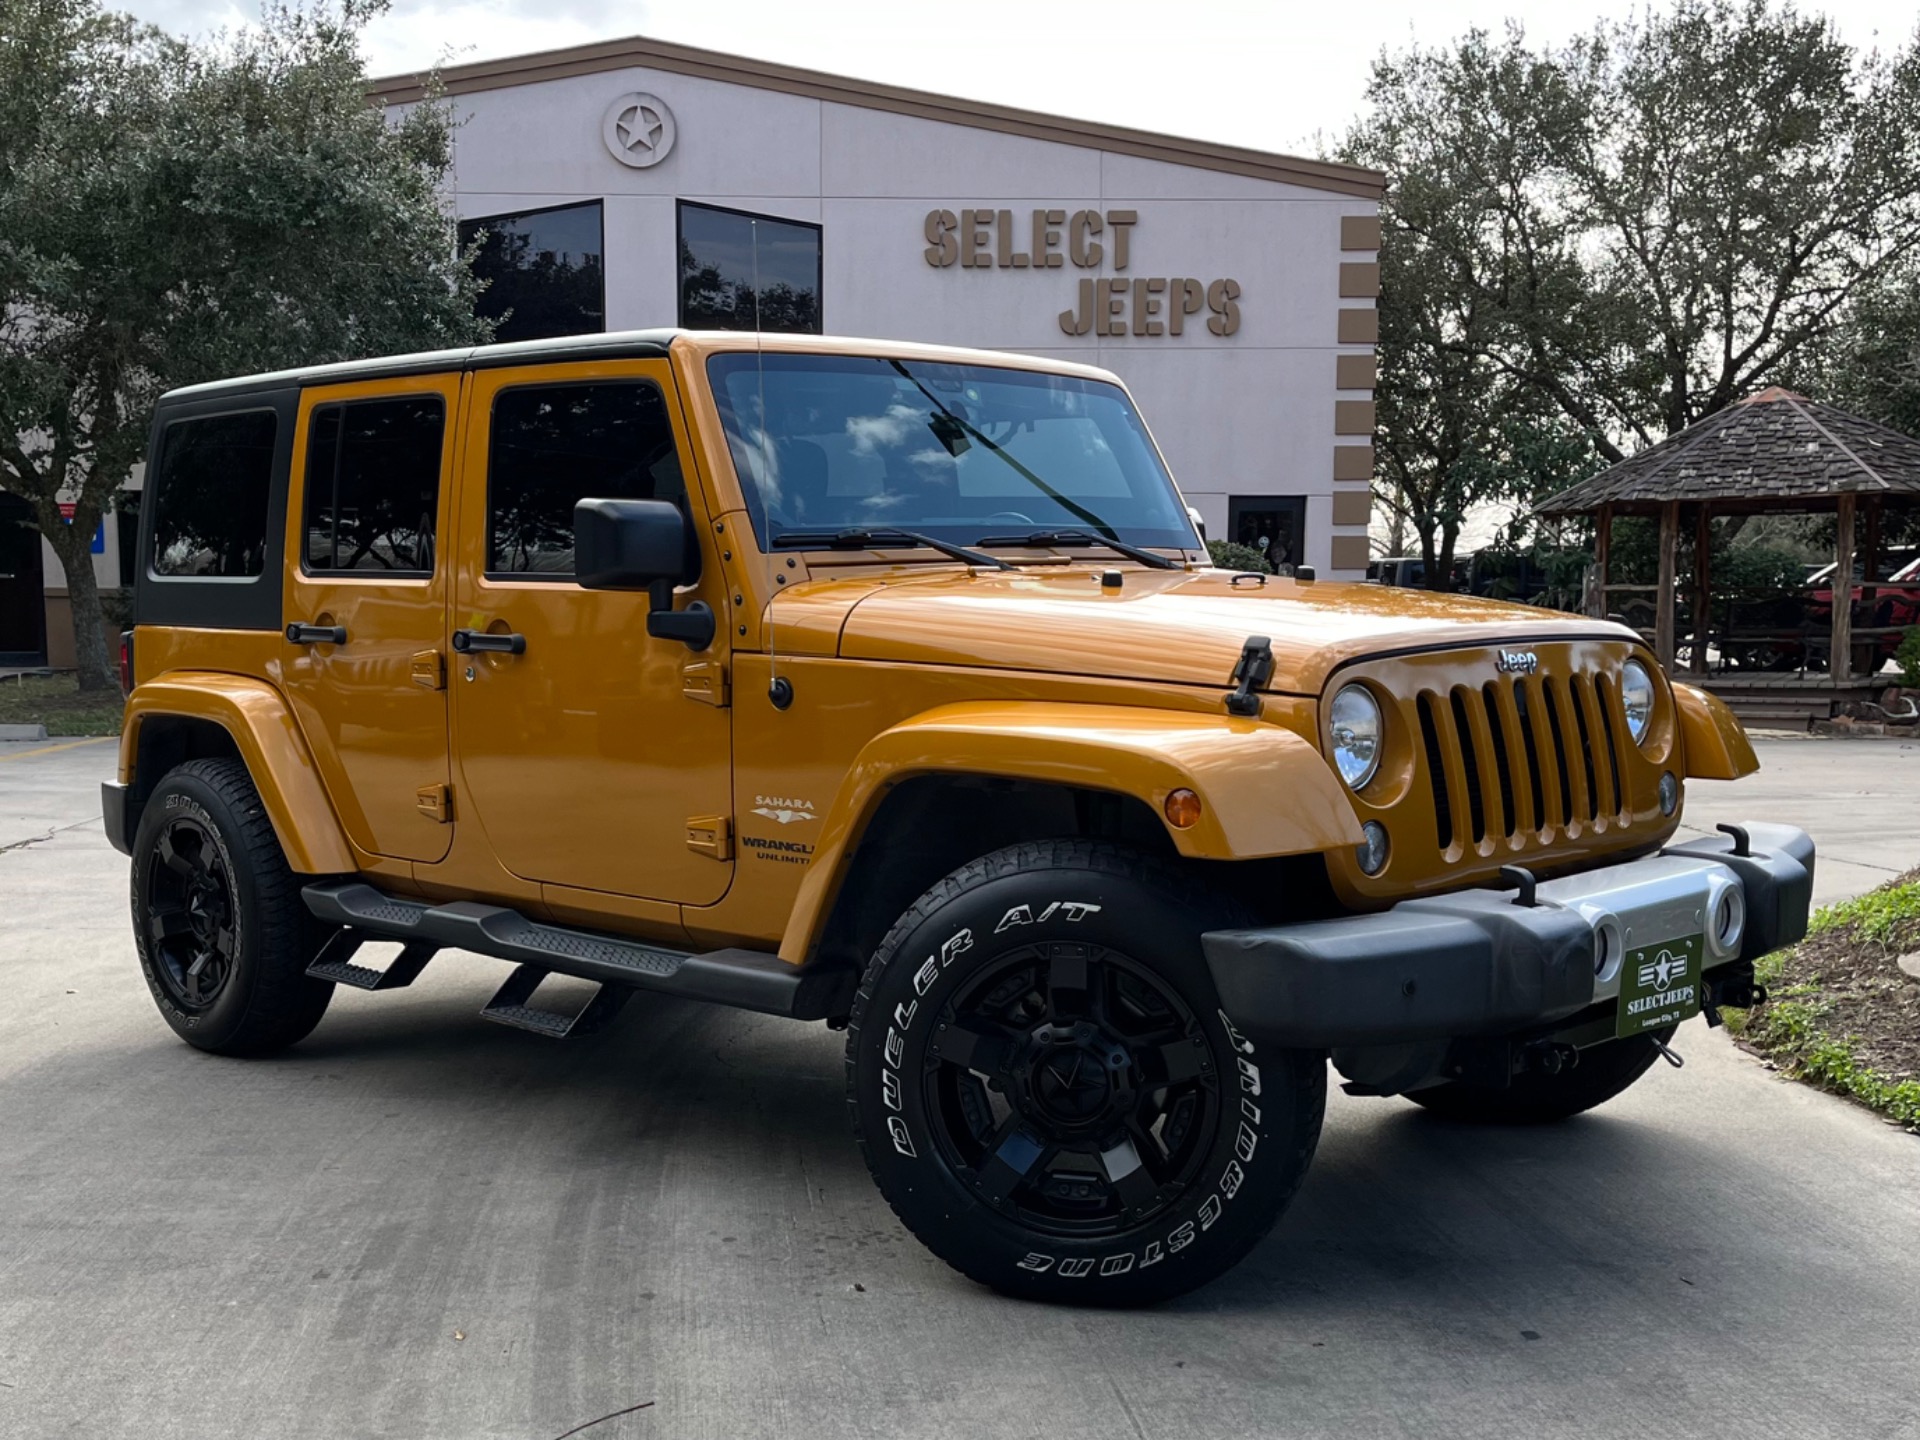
1479, 963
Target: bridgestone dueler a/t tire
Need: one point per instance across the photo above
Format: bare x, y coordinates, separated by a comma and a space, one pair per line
268, 1002
1121, 909
1604, 1071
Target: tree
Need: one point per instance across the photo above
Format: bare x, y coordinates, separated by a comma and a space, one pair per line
1466, 225
174, 212
1627, 234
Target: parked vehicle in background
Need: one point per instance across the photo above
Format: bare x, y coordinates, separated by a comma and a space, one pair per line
888, 686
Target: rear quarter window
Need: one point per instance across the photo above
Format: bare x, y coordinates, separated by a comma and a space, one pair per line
211, 496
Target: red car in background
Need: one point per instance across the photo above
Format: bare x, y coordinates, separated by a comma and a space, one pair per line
1894, 607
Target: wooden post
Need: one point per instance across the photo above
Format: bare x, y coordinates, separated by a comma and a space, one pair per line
1663, 598
1602, 546
1840, 660
1702, 587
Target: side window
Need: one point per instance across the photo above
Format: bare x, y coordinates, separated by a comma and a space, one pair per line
373, 485
210, 498
554, 445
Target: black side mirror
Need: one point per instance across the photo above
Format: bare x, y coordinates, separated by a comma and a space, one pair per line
642, 545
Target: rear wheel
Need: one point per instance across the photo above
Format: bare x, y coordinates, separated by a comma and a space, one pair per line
1604, 1071
1049, 1094
223, 936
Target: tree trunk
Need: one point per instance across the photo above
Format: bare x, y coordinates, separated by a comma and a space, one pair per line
73, 543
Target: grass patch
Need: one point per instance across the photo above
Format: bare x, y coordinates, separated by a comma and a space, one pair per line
1840, 1013
55, 701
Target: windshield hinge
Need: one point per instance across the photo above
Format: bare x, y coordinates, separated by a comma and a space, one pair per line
705, 681
1253, 671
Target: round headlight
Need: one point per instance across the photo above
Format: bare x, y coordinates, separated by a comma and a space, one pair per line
1636, 697
1356, 724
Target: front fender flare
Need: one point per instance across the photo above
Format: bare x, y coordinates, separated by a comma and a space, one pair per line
270, 745
1712, 741
1264, 790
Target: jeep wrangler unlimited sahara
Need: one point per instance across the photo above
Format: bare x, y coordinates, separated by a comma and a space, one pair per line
889, 686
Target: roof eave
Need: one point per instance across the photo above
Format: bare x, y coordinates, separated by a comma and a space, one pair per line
641, 52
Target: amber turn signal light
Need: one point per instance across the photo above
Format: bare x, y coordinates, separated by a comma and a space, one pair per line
1183, 809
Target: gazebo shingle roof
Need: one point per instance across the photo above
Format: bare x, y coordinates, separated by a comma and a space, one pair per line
1772, 447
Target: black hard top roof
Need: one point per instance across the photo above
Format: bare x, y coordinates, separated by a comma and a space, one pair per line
625, 344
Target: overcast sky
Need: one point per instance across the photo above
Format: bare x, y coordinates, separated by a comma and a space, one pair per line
1272, 75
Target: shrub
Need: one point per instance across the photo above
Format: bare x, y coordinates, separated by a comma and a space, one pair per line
1229, 555
1907, 657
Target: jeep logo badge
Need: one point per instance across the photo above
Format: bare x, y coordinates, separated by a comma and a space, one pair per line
1516, 662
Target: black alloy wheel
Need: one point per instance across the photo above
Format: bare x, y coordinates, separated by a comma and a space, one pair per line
191, 930
223, 935
1048, 1092
1071, 1089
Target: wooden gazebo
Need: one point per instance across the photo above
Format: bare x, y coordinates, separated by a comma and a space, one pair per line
1773, 453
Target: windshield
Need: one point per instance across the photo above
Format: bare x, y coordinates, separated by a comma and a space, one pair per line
963, 452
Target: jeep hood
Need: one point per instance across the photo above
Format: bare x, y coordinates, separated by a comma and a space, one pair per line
1178, 628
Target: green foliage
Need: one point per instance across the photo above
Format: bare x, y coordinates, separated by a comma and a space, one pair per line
1231, 555
1907, 657
174, 212
1792, 1027
1876, 916
1607, 241
57, 703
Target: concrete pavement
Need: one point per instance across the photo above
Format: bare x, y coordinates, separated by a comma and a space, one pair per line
420, 1225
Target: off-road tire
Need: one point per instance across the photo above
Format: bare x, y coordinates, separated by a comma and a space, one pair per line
1604, 1071
264, 1000
1234, 1123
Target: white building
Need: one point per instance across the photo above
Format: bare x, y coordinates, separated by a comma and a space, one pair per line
1233, 290
635, 184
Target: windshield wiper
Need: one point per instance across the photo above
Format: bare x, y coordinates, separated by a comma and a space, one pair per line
1039, 538
879, 539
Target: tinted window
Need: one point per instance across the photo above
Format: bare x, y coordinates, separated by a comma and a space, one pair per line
211, 498
373, 485
543, 272
723, 253
555, 445
964, 451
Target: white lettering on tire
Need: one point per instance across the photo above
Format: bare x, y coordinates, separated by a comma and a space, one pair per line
1122, 1262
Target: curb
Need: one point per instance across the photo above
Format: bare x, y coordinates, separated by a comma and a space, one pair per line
23, 732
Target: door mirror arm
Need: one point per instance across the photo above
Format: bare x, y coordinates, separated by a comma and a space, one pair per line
695, 625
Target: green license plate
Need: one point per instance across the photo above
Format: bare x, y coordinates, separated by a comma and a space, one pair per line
1659, 985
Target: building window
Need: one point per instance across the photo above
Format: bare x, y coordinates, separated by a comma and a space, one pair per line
1275, 525
723, 252
211, 496
373, 485
553, 446
543, 271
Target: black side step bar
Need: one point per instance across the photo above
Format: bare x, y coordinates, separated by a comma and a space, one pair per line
334, 962
746, 979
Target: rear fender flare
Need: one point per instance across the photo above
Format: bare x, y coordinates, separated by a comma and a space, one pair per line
1264, 790
270, 745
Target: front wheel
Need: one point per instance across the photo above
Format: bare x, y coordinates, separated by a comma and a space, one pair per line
1049, 1094
1534, 1099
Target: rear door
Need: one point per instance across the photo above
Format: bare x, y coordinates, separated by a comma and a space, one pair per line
366, 603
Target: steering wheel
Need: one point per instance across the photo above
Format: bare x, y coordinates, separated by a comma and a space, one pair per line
1012, 515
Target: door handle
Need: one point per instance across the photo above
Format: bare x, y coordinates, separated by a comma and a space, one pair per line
468, 642
302, 634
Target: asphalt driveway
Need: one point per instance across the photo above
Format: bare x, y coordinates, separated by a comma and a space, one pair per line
420, 1225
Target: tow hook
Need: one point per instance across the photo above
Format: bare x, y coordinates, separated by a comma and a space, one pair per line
1670, 1056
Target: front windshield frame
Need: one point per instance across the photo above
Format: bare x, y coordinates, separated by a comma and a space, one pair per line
979, 414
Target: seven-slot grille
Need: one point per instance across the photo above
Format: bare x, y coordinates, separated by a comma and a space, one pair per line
1531, 755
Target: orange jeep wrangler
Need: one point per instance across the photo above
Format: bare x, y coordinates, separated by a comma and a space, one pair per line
890, 686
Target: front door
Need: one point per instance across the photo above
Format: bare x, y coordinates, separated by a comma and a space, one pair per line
588, 757
367, 604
